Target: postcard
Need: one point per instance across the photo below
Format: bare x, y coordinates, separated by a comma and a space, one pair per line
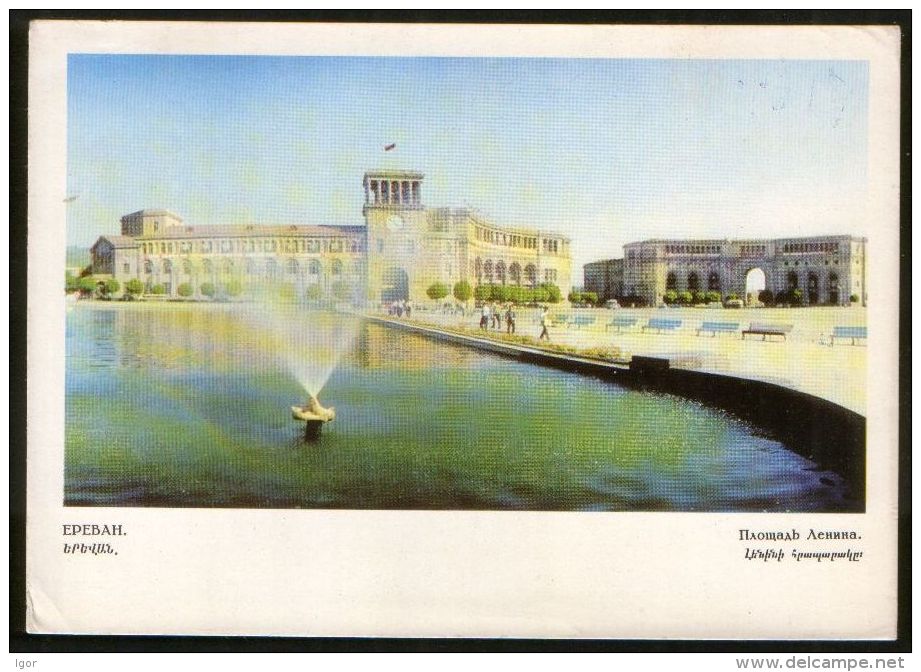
463, 331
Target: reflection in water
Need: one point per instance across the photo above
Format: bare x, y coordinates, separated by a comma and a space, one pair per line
183, 407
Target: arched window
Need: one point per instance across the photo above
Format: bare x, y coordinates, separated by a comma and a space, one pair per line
250, 267
336, 268
167, 266
530, 275
292, 267
812, 288
713, 282
187, 267
487, 271
314, 267
833, 291
148, 266
478, 270
792, 281
227, 266
271, 268
207, 266
500, 272
693, 282
671, 281
514, 274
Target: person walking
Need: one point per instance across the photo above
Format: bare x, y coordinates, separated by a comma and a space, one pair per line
484, 317
544, 323
510, 319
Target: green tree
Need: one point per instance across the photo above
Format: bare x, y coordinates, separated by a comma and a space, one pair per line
87, 286
590, 298
71, 284
437, 291
207, 289
854, 298
111, 287
463, 291
342, 290
575, 297
134, 287
185, 290
685, 298
796, 297
670, 297
158, 289
699, 297
313, 292
554, 295
483, 292
233, 287
713, 297
732, 296
515, 293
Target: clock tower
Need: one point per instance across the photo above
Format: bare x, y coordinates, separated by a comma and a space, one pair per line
395, 220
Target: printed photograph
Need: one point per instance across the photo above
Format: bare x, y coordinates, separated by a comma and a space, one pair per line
456, 283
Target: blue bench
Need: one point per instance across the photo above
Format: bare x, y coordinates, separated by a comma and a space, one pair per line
661, 324
582, 321
852, 333
764, 330
621, 323
560, 320
719, 327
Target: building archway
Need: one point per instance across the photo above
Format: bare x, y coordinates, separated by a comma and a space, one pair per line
755, 283
395, 285
812, 288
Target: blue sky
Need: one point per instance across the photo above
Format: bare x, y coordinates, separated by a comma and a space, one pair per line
605, 151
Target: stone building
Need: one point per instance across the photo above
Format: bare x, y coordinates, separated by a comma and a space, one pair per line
827, 269
605, 278
403, 248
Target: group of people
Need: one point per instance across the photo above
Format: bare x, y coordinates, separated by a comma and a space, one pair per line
399, 308
493, 315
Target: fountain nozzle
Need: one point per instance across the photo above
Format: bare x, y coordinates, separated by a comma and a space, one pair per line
312, 411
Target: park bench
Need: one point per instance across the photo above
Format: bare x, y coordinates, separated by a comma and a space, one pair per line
620, 323
719, 327
582, 321
662, 324
852, 333
764, 330
560, 320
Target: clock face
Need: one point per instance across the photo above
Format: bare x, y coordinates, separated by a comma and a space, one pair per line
395, 223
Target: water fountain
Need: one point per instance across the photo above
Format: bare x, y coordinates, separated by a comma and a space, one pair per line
306, 340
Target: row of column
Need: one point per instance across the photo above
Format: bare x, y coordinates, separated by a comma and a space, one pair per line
393, 192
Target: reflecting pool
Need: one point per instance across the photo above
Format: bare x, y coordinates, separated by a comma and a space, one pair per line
188, 406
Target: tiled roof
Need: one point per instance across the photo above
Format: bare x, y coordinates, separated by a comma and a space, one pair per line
118, 241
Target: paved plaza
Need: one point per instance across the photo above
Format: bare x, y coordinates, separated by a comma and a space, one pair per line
806, 361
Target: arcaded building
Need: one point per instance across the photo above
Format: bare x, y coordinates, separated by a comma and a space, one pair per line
403, 248
827, 269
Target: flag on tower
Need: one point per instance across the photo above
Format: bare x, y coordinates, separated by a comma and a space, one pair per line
389, 147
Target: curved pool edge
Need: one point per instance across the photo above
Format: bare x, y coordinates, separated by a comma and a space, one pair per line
821, 430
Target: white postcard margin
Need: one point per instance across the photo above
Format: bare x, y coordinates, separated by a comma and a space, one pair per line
441, 574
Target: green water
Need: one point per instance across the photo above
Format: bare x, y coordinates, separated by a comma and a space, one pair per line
188, 406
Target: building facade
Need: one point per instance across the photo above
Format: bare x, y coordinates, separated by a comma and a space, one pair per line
403, 248
605, 278
828, 270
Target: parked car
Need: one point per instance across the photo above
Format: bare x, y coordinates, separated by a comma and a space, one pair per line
734, 303
611, 304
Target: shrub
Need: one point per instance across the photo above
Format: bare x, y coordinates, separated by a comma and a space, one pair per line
437, 290
854, 298
233, 287
463, 291
796, 297
540, 294
766, 297
134, 287
87, 285
515, 293
158, 289
700, 297
590, 298
71, 284
780, 298
185, 290
670, 297
575, 297
207, 289
526, 294
111, 287
685, 298
732, 296
313, 292
483, 292
499, 293
713, 297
